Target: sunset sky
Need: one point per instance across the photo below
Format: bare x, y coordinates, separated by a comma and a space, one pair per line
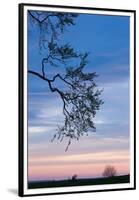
107, 40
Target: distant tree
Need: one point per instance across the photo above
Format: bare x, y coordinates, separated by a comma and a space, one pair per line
74, 177
81, 99
109, 171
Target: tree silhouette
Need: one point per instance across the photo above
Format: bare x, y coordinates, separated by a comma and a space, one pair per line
81, 98
74, 177
109, 171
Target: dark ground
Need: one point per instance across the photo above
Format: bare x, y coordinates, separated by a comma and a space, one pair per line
79, 182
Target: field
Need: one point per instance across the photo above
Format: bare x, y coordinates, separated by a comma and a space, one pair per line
79, 182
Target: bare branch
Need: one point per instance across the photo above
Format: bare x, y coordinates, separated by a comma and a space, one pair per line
53, 89
44, 19
35, 18
63, 79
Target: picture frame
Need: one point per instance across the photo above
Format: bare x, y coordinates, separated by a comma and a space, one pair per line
43, 168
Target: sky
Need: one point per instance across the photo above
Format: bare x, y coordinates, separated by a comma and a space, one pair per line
106, 38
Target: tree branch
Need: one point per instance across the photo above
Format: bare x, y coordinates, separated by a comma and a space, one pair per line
63, 79
58, 59
53, 89
34, 17
39, 75
45, 18
52, 15
43, 66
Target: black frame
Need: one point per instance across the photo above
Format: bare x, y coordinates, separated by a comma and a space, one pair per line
21, 97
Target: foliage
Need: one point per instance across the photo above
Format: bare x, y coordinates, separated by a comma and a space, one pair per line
109, 171
81, 100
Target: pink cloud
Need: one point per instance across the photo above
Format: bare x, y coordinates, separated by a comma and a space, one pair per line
85, 165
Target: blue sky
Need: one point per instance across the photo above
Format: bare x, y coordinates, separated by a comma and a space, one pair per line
106, 38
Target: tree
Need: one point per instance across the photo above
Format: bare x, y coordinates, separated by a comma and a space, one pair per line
109, 171
74, 177
81, 99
